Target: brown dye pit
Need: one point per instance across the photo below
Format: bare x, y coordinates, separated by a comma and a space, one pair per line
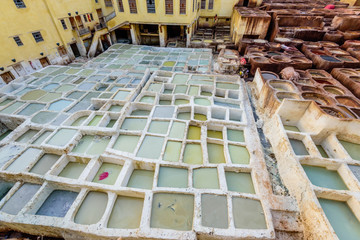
309, 89
347, 111
333, 112
334, 90
288, 95
356, 111
355, 78
281, 86
304, 81
347, 101
349, 72
323, 82
316, 97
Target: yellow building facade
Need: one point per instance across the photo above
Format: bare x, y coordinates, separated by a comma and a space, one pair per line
37, 33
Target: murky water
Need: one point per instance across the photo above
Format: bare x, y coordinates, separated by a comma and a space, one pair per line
141, 179
322, 177
107, 173
206, 178
72, 170
239, 182
248, 214
173, 177
172, 211
126, 213
92, 208
214, 211
341, 218
57, 204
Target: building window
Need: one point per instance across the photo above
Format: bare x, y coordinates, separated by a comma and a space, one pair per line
182, 6
19, 3
211, 4
63, 24
132, 5
108, 3
150, 6
203, 4
85, 18
169, 6
96, 1
91, 16
121, 6
18, 41
37, 36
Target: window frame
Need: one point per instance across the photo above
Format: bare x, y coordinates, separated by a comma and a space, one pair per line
36, 38
121, 5
18, 41
133, 9
182, 10
169, 11
152, 8
19, 3
63, 23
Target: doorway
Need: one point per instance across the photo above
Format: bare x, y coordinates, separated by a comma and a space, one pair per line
75, 50
19, 69
123, 36
44, 61
175, 32
7, 77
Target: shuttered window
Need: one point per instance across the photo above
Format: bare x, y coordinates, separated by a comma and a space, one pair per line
37, 36
19, 3
150, 6
203, 4
18, 41
169, 6
132, 5
182, 6
211, 4
121, 6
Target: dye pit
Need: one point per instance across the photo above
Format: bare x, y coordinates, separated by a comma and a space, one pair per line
145, 142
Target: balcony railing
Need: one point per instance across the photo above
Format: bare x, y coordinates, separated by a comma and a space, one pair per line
83, 31
110, 16
100, 26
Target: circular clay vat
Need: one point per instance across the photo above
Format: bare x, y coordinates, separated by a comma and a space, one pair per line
273, 54
312, 44
333, 112
260, 41
260, 59
329, 58
282, 40
328, 44
347, 101
345, 58
288, 95
356, 111
316, 97
338, 52
304, 81
280, 58
310, 89
347, 111
256, 54
299, 59
334, 90
281, 86
323, 82
316, 74
269, 75
355, 78
318, 52
349, 72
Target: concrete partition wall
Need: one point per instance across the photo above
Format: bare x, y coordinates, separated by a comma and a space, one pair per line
107, 151
316, 128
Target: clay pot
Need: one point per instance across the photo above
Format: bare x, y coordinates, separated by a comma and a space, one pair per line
280, 59
318, 98
333, 112
347, 101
